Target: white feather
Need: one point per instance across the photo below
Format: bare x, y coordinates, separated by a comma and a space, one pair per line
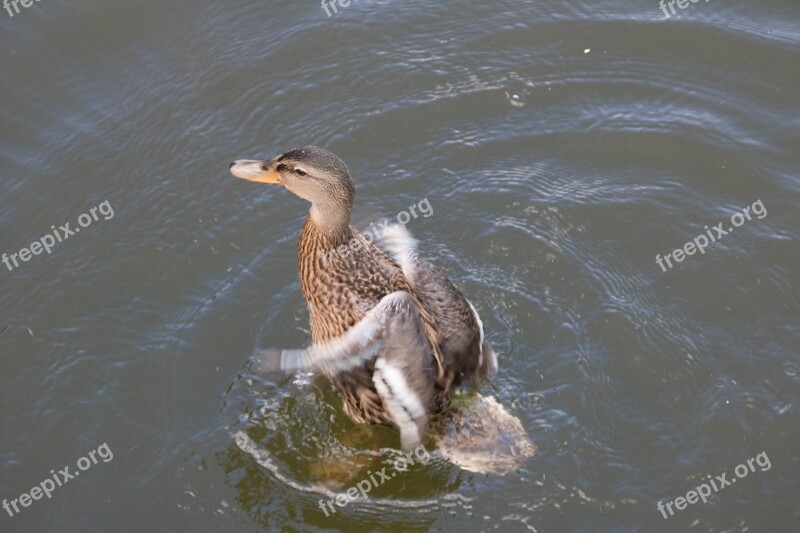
409, 432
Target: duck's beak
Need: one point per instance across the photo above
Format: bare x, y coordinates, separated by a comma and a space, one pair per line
251, 170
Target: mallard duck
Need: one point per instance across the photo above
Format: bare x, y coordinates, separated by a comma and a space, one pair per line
390, 330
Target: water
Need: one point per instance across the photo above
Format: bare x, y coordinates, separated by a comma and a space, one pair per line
562, 146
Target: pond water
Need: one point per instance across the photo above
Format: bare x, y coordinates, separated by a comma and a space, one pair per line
562, 147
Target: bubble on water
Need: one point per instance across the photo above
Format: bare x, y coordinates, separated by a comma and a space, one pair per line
537, 400
303, 378
790, 370
751, 403
517, 99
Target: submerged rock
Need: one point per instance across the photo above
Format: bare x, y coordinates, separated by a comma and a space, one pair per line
479, 435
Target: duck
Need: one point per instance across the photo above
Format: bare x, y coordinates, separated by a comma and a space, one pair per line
390, 330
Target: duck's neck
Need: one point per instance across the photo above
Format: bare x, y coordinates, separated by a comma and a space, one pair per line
316, 256
320, 240
332, 221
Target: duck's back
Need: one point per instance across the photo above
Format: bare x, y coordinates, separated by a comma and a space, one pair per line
459, 329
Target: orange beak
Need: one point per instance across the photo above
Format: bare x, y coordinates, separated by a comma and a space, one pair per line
253, 170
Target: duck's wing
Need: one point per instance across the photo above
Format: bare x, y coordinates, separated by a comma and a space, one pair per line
394, 335
460, 329
359, 344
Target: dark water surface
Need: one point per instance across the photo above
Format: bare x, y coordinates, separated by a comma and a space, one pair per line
561, 145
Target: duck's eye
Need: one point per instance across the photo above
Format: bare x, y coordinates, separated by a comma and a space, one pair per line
301, 172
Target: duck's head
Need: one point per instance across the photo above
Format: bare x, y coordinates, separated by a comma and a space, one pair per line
311, 173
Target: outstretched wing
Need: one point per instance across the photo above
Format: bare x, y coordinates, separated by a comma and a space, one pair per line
394, 334
358, 345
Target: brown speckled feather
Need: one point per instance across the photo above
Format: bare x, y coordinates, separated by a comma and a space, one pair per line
339, 290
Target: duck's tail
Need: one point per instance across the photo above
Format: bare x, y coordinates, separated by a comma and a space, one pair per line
487, 362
